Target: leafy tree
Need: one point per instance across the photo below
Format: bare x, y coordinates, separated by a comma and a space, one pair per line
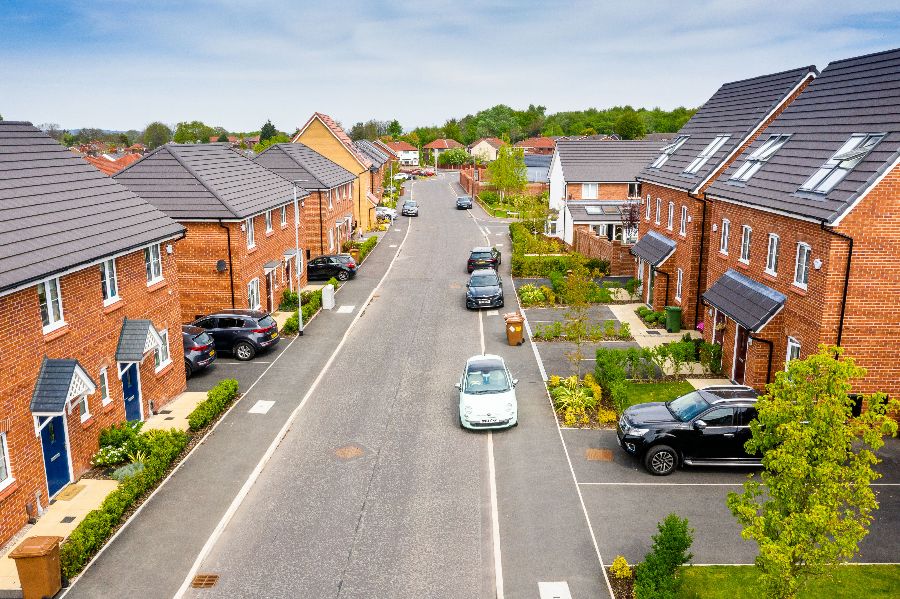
577, 291
629, 126
394, 129
133, 136
89, 134
222, 137
454, 157
193, 132
508, 172
1, 117
156, 134
68, 139
451, 130
52, 129
588, 131
280, 138
657, 576
267, 132
123, 139
371, 129
815, 501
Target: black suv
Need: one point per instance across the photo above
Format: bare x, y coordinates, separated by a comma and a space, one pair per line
702, 428
199, 349
241, 332
484, 289
339, 266
463, 203
483, 257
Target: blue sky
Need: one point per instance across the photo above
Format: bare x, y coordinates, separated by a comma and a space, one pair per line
234, 63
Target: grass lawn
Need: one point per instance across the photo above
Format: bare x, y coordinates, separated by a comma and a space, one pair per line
644, 392
734, 582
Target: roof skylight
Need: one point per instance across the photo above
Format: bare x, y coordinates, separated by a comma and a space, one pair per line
706, 154
669, 150
759, 157
844, 160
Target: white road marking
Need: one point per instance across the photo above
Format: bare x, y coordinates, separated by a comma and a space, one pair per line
251, 480
554, 590
493, 312
481, 330
498, 234
345, 309
499, 245
495, 518
261, 407
393, 245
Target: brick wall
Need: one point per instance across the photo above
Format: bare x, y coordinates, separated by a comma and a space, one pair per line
605, 191
91, 336
318, 219
588, 243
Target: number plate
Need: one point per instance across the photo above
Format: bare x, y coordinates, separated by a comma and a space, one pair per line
212, 352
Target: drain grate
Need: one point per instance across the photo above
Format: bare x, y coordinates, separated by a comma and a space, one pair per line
68, 519
349, 452
169, 418
652, 332
598, 455
164, 412
204, 581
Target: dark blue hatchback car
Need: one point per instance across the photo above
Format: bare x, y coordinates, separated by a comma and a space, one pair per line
199, 349
244, 333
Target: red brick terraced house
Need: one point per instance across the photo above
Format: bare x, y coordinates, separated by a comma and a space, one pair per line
805, 232
386, 150
537, 145
91, 328
328, 209
380, 164
432, 151
240, 243
673, 236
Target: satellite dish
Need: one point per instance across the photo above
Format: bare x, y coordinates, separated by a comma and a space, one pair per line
221, 266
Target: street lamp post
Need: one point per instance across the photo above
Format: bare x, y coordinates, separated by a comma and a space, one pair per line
297, 258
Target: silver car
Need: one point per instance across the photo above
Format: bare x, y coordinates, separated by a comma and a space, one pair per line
487, 394
410, 208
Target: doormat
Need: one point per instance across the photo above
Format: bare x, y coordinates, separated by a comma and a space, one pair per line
69, 492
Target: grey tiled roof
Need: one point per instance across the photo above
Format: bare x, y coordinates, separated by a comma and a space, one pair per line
298, 162
736, 109
133, 340
52, 386
537, 160
857, 95
372, 152
749, 303
205, 181
596, 211
589, 160
58, 212
653, 248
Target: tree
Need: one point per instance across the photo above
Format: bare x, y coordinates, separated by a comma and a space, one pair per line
194, 132
631, 219
508, 172
577, 291
629, 126
156, 134
394, 129
281, 138
267, 132
454, 157
89, 134
123, 139
657, 576
52, 129
223, 137
815, 501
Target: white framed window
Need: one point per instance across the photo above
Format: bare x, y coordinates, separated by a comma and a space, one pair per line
678, 283
153, 263
550, 227
104, 387
253, 294
759, 157
161, 355
50, 300
6, 477
726, 232
268, 221
84, 410
647, 208
658, 208
330, 240
589, 191
329, 200
640, 272
801, 266
251, 234
772, 255
284, 216
631, 235
842, 162
670, 217
746, 233
634, 190
793, 351
682, 226
669, 150
707, 153
599, 230
109, 282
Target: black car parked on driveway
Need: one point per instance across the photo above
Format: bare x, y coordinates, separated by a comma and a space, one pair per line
339, 266
484, 289
464, 203
244, 333
483, 257
199, 349
707, 427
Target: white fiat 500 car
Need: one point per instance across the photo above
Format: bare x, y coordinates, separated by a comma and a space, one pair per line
487, 394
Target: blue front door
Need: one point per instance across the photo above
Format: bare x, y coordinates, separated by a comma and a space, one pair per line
56, 453
131, 392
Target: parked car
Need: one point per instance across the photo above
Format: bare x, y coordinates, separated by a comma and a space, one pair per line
487, 394
702, 428
483, 257
410, 208
243, 333
384, 212
463, 203
199, 349
340, 266
484, 289
401, 177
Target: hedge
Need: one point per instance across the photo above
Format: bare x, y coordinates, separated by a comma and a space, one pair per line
217, 399
366, 246
91, 534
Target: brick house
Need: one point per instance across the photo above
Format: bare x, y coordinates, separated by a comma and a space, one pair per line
805, 232
239, 248
380, 164
486, 148
537, 145
328, 209
387, 151
91, 329
431, 152
407, 154
325, 136
674, 182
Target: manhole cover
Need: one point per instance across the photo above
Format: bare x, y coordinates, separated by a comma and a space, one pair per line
204, 581
349, 452
598, 455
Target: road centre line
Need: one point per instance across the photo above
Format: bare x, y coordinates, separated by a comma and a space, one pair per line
254, 475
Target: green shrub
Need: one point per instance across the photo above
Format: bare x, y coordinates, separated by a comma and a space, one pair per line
121, 435
618, 395
597, 264
311, 305
624, 331
610, 366
366, 246
558, 283
598, 294
548, 332
124, 472
609, 329
531, 295
334, 283
657, 576
548, 294
217, 399
289, 301
109, 455
291, 325
642, 311
489, 197
631, 286
711, 356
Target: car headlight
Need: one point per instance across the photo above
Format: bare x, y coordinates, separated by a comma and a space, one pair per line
510, 408
467, 411
638, 432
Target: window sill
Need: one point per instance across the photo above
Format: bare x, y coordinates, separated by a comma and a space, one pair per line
723, 255
772, 276
799, 290
251, 250
108, 308
56, 333
164, 368
86, 424
8, 487
270, 233
107, 406
743, 265
157, 285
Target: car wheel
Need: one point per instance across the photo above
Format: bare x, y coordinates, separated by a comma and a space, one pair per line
343, 275
660, 460
187, 369
244, 351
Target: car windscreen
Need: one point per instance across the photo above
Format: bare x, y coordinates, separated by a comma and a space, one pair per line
410, 204
688, 406
483, 281
486, 378
201, 339
481, 256
266, 321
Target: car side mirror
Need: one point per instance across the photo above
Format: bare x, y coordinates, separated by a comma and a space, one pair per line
699, 425
458, 387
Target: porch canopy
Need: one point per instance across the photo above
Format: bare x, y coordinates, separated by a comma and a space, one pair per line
271, 265
653, 248
136, 339
59, 382
597, 212
749, 303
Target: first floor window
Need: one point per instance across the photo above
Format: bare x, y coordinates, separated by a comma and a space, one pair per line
284, 216
329, 199
671, 216
634, 190
268, 221
251, 236
678, 282
772, 255
5, 471
162, 354
589, 191
723, 241
631, 234
108, 281
746, 232
647, 208
50, 300
330, 240
793, 350
658, 207
801, 267
682, 228
153, 263
104, 387
253, 294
